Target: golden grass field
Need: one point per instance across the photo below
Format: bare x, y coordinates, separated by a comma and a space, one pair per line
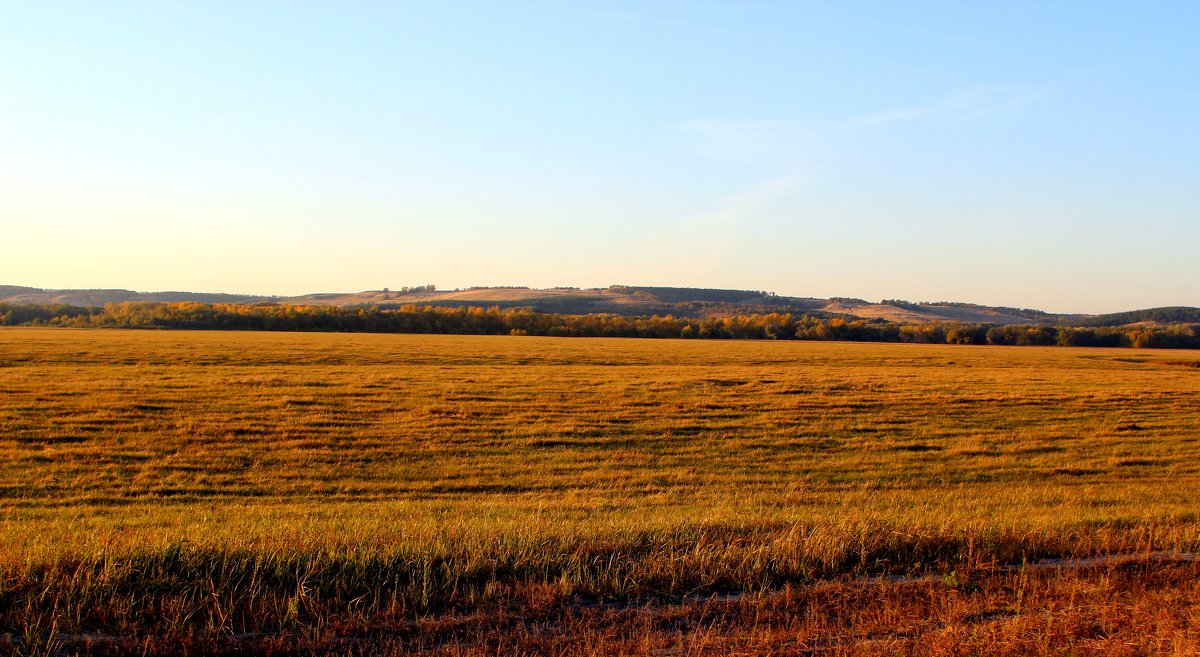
305, 493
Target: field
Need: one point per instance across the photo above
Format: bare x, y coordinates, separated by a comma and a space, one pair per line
288, 493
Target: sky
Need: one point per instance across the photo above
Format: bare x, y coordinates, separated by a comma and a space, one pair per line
1027, 154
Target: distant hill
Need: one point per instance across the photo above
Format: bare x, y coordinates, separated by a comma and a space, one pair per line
629, 300
617, 299
1168, 315
90, 298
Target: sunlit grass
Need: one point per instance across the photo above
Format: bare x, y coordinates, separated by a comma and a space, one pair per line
208, 484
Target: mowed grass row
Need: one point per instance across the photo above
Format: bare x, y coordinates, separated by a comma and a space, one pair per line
207, 483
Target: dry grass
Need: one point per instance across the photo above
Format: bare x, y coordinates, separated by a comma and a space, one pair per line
297, 493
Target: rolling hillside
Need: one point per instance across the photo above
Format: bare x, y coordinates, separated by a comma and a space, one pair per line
625, 300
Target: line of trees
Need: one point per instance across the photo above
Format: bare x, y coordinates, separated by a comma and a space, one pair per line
496, 321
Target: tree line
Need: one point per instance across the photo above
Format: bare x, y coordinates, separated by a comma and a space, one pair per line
520, 321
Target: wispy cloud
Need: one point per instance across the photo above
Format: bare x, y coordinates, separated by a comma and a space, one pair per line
768, 140
959, 39
973, 102
795, 149
732, 210
704, 241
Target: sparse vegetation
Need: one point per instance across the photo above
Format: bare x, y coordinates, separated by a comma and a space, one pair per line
1028, 313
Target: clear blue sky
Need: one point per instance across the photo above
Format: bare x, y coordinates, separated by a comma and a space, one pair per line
1032, 154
